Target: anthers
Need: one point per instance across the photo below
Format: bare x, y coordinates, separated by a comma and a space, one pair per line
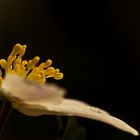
28, 68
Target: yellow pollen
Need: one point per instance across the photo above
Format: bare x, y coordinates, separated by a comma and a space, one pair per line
28, 69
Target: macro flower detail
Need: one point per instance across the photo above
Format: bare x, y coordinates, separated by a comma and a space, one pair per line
28, 69
25, 86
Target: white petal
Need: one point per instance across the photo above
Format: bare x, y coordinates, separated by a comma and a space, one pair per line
75, 108
32, 99
18, 88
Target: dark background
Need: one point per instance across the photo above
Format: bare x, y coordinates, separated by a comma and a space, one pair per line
97, 47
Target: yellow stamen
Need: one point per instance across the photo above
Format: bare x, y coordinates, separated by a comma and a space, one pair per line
58, 76
17, 48
22, 50
57, 70
50, 71
31, 63
48, 63
1, 79
3, 63
28, 69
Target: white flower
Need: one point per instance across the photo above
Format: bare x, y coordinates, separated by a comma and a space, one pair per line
34, 100
24, 86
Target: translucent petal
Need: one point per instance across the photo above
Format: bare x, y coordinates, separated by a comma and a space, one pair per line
25, 90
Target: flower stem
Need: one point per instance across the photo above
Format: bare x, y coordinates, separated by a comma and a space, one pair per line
5, 112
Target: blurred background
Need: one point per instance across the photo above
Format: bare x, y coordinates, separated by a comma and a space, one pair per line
97, 47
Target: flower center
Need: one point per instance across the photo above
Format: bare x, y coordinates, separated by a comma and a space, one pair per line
28, 69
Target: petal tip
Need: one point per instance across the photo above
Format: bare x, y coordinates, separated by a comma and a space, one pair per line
135, 133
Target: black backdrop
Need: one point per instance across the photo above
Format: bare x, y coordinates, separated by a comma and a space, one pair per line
97, 46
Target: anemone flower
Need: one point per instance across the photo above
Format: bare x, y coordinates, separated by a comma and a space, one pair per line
25, 86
